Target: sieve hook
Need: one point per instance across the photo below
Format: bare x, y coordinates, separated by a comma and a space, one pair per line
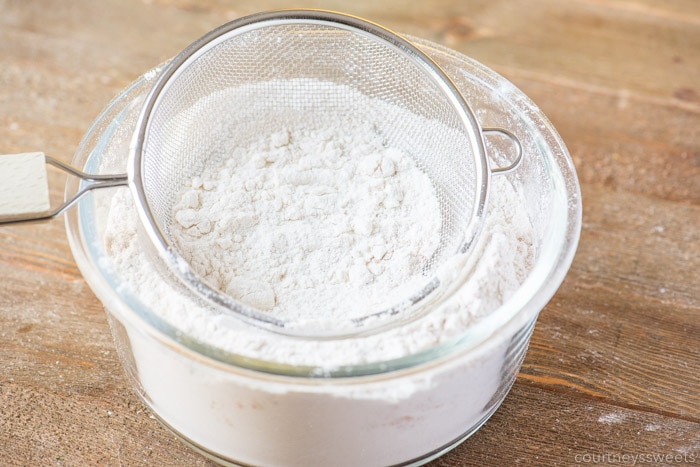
24, 194
518, 149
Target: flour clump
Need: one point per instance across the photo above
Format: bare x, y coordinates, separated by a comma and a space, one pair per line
311, 221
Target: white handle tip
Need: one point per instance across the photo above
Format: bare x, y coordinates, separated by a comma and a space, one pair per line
24, 187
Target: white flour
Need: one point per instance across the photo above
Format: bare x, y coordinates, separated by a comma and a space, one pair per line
505, 255
311, 221
320, 220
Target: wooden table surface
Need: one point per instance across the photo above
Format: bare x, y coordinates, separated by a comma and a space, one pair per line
612, 374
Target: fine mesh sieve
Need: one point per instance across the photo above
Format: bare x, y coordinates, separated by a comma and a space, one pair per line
269, 67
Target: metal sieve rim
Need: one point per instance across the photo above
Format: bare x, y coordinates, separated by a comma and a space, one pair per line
181, 268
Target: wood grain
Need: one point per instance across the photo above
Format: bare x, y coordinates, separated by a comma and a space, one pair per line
595, 331
567, 429
613, 368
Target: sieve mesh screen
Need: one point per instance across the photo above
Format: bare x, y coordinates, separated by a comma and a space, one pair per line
220, 92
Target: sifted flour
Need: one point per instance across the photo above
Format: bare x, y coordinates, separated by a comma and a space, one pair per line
320, 219
504, 252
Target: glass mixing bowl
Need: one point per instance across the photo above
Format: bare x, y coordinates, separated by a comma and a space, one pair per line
240, 410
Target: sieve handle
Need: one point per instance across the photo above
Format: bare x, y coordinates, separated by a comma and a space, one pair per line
24, 191
518, 149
